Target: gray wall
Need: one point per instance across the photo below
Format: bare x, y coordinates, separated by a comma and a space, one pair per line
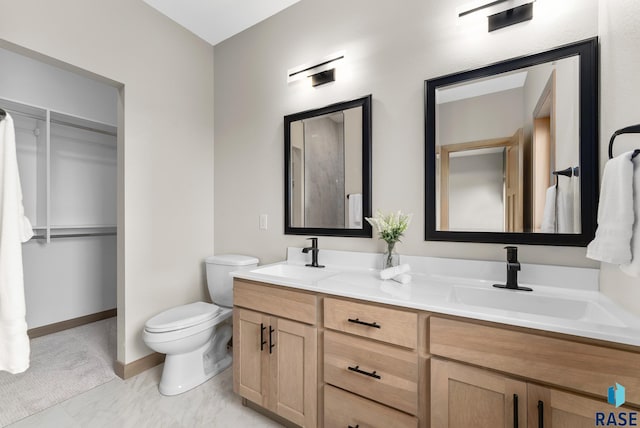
390, 50
165, 111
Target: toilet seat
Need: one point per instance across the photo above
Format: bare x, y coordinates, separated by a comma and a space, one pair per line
182, 317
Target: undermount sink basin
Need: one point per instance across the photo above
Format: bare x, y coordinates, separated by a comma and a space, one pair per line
295, 272
531, 303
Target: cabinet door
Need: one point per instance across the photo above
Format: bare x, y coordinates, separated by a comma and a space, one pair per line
250, 355
464, 396
559, 409
294, 371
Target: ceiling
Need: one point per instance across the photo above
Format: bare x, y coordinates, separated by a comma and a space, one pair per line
217, 20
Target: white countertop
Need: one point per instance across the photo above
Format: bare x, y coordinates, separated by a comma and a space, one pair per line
576, 308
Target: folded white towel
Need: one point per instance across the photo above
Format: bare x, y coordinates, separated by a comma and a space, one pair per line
612, 243
355, 211
389, 273
403, 278
633, 268
549, 215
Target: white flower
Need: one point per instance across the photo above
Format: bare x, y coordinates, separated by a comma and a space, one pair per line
390, 226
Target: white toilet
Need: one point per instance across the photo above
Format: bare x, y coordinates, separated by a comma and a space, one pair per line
194, 337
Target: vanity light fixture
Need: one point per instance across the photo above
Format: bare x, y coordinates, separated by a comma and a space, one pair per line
320, 72
500, 13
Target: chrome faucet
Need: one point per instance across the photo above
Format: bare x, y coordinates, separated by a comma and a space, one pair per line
314, 253
513, 266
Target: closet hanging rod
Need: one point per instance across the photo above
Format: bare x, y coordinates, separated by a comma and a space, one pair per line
75, 235
39, 113
85, 128
19, 113
633, 129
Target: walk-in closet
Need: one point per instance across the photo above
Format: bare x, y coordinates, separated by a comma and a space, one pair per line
66, 133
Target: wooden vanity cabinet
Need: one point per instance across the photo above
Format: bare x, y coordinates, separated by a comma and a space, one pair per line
324, 361
370, 353
275, 358
493, 376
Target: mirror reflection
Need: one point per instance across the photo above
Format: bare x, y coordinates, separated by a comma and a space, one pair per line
511, 150
328, 164
499, 140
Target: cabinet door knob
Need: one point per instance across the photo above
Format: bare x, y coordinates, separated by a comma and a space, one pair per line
358, 370
368, 324
262, 341
515, 410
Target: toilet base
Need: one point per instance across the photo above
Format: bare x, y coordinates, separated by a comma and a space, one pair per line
183, 372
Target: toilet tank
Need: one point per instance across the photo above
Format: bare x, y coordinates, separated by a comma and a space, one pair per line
219, 282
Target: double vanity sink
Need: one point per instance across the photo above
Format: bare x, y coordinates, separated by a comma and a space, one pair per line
338, 346
575, 307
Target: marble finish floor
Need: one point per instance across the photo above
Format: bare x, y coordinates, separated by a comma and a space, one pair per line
136, 402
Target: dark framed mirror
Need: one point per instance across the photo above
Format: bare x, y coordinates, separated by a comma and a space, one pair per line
511, 150
327, 174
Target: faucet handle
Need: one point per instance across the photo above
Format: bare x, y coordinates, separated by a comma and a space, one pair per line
314, 242
512, 254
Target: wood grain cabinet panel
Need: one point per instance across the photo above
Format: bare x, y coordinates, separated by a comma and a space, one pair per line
559, 409
275, 300
464, 396
275, 365
390, 325
381, 372
343, 409
572, 365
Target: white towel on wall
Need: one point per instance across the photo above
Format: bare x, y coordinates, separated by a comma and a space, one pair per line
633, 268
14, 229
549, 215
612, 243
564, 208
355, 211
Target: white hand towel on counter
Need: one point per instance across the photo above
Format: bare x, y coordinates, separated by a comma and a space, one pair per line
633, 268
14, 229
403, 278
355, 211
549, 215
612, 243
391, 272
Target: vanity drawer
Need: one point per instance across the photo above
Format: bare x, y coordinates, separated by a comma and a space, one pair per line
573, 365
276, 300
343, 409
375, 322
350, 363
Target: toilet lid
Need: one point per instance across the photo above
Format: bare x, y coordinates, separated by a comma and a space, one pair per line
182, 317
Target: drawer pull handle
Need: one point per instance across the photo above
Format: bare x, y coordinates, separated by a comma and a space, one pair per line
540, 414
515, 410
368, 324
371, 374
271, 344
262, 341
357, 426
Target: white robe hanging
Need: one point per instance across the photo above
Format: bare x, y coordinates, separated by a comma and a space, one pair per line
14, 230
